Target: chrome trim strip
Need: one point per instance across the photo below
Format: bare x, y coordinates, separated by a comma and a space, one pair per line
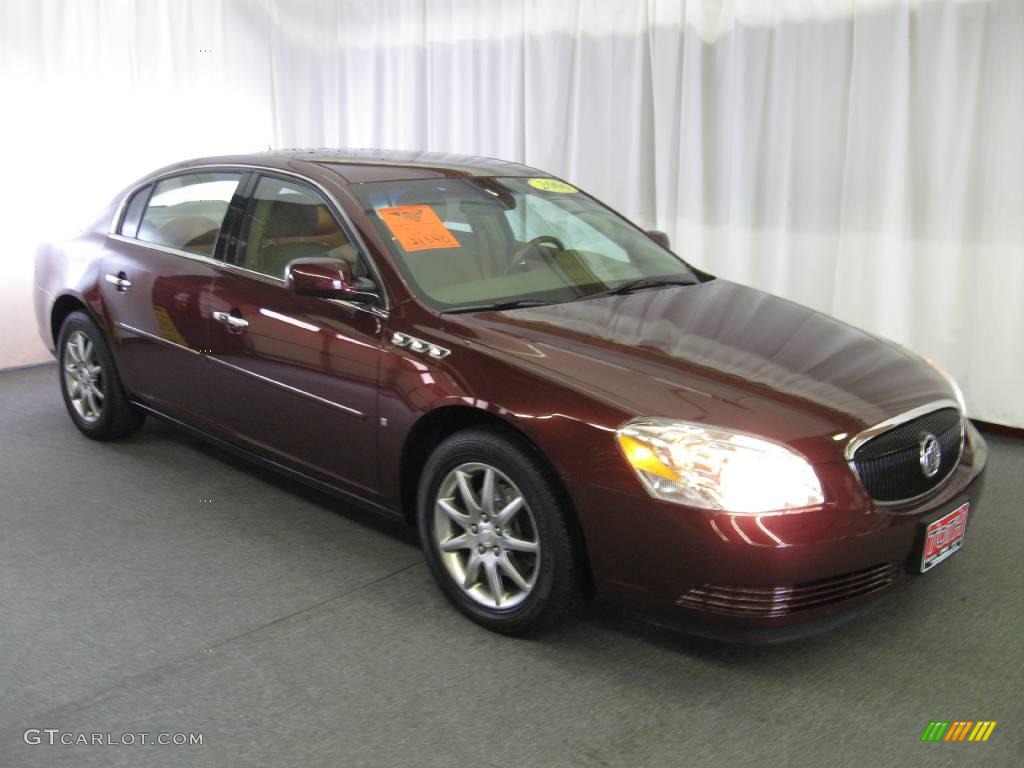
154, 337
884, 426
337, 209
166, 249
251, 273
288, 387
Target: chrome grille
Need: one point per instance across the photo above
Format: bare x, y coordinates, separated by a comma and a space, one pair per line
777, 601
889, 465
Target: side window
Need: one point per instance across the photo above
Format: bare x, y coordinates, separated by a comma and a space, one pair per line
185, 212
288, 220
133, 213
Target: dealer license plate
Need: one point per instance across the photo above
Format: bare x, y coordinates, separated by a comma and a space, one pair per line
944, 536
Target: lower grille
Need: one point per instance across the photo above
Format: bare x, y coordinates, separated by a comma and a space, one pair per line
767, 602
889, 465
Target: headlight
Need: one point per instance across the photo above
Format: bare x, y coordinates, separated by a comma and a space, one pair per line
957, 392
715, 469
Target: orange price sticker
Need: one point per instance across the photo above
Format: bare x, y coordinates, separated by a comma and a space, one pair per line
417, 227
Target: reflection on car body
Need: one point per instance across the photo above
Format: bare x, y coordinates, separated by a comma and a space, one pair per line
561, 404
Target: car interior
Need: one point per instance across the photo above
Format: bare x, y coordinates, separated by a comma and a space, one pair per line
280, 231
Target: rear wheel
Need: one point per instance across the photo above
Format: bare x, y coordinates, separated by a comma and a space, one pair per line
495, 536
92, 392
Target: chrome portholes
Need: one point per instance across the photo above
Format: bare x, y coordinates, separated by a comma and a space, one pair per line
418, 345
83, 377
486, 535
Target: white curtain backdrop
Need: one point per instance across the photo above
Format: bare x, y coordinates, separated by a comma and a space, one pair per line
864, 158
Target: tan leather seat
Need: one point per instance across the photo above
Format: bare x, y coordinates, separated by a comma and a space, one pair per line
196, 234
295, 231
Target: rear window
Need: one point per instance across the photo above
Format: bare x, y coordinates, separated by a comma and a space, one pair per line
186, 212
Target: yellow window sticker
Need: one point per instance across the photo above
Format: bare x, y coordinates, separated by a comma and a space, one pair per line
551, 185
417, 227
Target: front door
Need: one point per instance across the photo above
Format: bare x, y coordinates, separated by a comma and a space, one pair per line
294, 377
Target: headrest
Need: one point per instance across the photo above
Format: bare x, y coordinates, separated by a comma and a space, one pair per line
285, 219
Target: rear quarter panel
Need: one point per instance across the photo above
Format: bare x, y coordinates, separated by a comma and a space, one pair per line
70, 268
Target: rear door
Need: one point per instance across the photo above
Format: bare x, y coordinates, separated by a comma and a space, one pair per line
156, 272
294, 377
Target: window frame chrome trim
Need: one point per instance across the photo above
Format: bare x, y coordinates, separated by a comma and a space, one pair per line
287, 387
164, 248
336, 208
865, 436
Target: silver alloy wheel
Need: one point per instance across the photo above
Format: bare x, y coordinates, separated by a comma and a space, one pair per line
83, 377
486, 535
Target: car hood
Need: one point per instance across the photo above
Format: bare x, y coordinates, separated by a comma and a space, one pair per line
718, 353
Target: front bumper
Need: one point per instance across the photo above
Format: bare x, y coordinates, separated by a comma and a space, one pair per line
770, 576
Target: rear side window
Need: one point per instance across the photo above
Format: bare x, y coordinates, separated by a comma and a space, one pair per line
186, 212
133, 212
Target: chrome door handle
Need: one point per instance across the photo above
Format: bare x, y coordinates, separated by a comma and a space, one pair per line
119, 281
232, 322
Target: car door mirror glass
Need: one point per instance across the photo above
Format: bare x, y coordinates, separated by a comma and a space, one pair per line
322, 277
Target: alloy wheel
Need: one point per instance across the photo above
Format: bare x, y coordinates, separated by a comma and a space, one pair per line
83, 376
486, 535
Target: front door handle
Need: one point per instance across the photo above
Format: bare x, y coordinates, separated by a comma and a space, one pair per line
235, 324
119, 281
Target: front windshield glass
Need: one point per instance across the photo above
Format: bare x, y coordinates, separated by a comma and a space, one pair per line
467, 243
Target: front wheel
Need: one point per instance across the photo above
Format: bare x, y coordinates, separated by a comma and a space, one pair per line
495, 535
93, 394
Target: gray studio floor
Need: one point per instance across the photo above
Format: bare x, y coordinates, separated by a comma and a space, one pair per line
291, 631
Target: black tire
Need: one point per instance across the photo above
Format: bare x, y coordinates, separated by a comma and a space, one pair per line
557, 583
117, 417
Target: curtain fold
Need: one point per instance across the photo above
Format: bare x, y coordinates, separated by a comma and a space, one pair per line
864, 158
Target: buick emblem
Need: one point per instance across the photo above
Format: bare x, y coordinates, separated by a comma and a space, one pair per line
930, 455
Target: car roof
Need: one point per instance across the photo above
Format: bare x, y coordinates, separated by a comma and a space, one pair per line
356, 166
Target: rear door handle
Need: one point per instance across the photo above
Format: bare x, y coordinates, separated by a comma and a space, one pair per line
233, 323
119, 281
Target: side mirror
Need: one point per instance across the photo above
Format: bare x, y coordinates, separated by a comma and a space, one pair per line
322, 277
659, 237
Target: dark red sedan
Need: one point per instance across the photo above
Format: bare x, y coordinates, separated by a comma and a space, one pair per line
561, 404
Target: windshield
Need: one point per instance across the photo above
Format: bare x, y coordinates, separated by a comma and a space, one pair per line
468, 243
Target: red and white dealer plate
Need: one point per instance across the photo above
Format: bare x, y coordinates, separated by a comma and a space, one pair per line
944, 536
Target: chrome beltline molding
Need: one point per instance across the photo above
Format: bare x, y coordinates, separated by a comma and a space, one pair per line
245, 371
884, 426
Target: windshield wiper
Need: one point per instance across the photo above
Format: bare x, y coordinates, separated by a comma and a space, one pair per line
639, 284
497, 306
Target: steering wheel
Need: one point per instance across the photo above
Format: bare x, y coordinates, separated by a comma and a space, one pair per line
519, 257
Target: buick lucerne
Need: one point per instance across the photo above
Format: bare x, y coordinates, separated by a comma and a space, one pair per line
561, 404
